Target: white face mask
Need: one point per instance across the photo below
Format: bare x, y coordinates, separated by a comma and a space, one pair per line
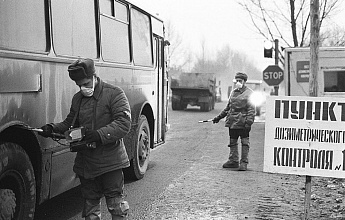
86, 91
238, 85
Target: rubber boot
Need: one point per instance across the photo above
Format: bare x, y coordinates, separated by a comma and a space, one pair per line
92, 209
244, 154
233, 156
118, 208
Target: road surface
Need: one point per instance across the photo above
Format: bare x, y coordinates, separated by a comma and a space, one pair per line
185, 180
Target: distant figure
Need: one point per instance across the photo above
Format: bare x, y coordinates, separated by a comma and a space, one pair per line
240, 114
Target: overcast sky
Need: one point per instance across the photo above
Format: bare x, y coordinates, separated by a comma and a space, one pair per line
218, 22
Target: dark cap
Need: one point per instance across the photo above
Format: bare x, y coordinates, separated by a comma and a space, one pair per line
241, 76
81, 69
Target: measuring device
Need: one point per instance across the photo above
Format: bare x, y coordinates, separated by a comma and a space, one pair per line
209, 120
73, 136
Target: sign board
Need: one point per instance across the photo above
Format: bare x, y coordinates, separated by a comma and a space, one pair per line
273, 75
305, 136
302, 71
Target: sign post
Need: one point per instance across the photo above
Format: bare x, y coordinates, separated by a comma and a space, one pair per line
313, 84
273, 75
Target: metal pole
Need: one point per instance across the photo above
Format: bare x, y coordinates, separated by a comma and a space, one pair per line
276, 50
276, 62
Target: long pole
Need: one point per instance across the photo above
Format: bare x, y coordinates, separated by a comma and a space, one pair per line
276, 52
313, 83
276, 61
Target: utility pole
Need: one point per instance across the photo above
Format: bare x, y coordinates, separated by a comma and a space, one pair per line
276, 61
276, 52
313, 83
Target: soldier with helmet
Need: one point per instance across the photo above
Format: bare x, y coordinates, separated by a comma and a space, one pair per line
240, 115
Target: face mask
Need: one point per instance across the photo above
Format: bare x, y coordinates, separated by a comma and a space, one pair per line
238, 85
86, 91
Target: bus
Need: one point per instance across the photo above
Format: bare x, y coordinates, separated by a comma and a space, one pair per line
38, 40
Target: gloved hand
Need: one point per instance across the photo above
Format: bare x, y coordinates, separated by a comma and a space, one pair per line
92, 136
215, 120
247, 127
47, 131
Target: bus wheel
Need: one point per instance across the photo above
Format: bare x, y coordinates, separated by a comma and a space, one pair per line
141, 158
17, 183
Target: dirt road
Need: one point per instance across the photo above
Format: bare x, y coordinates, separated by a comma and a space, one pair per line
186, 180
207, 191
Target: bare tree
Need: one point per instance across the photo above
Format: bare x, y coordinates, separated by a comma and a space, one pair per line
274, 19
226, 63
175, 41
333, 37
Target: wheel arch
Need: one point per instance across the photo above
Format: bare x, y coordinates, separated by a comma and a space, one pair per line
16, 132
139, 109
148, 112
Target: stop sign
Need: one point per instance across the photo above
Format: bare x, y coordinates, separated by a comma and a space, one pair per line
273, 75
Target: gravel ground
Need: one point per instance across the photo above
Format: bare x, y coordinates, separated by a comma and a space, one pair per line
208, 191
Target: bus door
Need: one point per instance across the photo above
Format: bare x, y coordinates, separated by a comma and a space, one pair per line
159, 89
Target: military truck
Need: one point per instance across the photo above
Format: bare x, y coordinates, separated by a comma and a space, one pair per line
195, 89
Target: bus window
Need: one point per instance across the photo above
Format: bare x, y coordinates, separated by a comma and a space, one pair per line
115, 32
107, 7
121, 12
141, 37
23, 26
334, 81
74, 28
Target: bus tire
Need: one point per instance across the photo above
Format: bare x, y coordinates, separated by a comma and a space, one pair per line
17, 183
142, 150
